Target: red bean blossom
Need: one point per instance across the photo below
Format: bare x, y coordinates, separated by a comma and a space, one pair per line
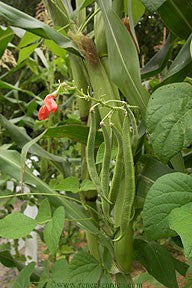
50, 106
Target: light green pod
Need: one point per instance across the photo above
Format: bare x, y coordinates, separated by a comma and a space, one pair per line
105, 172
129, 193
123, 250
91, 157
118, 171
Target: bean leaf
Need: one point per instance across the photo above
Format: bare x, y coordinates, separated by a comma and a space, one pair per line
169, 119
167, 193
16, 225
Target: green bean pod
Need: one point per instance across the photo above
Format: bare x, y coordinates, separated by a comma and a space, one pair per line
105, 172
106, 160
123, 250
116, 180
135, 136
91, 157
129, 193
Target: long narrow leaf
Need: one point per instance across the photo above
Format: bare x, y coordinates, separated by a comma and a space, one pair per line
153, 5
158, 62
35, 26
123, 58
176, 15
5, 38
181, 65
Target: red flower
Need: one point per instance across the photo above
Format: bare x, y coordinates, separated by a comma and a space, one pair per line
50, 106
43, 113
50, 103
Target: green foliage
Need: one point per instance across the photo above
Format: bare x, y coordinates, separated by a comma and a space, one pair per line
68, 184
95, 173
168, 119
167, 193
153, 5
53, 230
75, 132
180, 221
23, 279
157, 261
84, 269
44, 212
5, 37
127, 78
180, 22
31, 24
16, 225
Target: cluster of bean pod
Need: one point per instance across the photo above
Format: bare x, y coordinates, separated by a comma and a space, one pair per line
117, 194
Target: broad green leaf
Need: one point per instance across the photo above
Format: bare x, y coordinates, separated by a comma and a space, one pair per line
167, 193
23, 279
53, 230
124, 69
74, 132
68, 184
59, 274
5, 37
180, 220
176, 15
138, 10
21, 138
157, 261
35, 26
16, 225
55, 48
28, 38
151, 171
44, 212
10, 164
25, 52
84, 268
181, 65
158, 62
169, 118
153, 5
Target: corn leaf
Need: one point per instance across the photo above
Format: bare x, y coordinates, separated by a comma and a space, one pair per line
176, 15
158, 62
181, 65
35, 26
5, 38
123, 58
153, 5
